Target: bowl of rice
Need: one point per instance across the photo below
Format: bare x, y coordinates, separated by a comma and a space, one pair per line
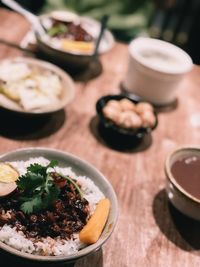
53, 232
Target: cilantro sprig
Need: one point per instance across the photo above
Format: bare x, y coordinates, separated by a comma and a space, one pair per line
37, 187
58, 29
38, 190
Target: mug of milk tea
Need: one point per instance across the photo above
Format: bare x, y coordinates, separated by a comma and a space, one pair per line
155, 70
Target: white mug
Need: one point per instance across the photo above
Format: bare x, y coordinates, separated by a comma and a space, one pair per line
155, 70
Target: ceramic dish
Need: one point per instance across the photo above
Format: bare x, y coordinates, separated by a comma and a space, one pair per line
67, 91
117, 134
80, 167
67, 58
177, 195
156, 70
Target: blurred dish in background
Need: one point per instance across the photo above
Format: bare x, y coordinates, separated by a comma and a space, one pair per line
33, 87
70, 38
67, 33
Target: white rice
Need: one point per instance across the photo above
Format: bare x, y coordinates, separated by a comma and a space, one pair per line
48, 245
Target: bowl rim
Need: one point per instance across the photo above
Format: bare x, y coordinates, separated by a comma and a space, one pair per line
169, 175
65, 79
125, 132
89, 249
163, 45
71, 53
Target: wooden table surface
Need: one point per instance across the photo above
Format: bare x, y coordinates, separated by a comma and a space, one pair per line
149, 232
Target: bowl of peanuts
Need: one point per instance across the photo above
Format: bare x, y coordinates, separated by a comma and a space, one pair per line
124, 120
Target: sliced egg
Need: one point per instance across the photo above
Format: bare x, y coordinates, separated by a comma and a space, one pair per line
7, 173
77, 46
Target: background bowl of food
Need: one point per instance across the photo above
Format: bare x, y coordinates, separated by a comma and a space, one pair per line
34, 87
182, 168
70, 39
124, 120
54, 206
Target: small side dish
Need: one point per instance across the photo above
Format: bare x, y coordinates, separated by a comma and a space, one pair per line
129, 115
124, 122
51, 211
32, 86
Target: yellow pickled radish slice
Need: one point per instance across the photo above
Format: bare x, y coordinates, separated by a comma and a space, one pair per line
7, 173
77, 46
94, 227
7, 188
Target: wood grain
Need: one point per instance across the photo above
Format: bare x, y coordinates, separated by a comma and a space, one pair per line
150, 232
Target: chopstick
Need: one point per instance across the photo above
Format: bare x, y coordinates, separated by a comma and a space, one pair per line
104, 21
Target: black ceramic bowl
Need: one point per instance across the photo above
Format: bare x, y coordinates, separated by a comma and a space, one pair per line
115, 134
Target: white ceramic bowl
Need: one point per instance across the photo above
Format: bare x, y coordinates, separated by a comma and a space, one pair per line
181, 199
80, 167
155, 70
68, 88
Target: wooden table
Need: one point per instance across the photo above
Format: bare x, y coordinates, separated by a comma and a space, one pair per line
150, 232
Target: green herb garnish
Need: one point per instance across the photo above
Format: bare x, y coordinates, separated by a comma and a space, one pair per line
38, 189
58, 29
